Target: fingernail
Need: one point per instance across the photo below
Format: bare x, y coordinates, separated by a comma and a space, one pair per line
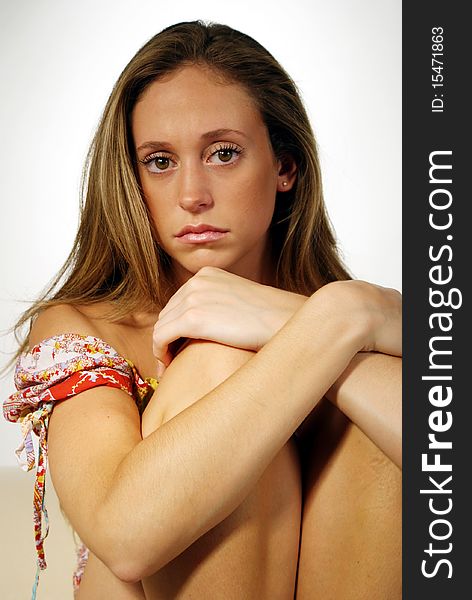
160, 368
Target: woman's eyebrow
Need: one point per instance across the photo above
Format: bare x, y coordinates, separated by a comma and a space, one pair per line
215, 133
154, 146
219, 132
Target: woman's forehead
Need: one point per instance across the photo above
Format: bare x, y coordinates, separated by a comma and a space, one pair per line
193, 101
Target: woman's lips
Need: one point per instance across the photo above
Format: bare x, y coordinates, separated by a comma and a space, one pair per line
202, 237
200, 234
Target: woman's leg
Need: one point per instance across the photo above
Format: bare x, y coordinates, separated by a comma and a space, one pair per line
351, 523
252, 554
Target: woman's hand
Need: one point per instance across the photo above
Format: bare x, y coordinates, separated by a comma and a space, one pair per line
222, 307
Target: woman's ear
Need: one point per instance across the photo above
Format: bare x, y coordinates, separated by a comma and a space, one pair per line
287, 173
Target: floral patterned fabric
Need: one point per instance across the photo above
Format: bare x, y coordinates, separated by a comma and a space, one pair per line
58, 368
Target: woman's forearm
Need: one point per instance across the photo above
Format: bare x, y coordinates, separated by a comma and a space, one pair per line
199, 466
369, 392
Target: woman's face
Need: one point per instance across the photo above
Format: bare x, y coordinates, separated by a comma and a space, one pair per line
205, 163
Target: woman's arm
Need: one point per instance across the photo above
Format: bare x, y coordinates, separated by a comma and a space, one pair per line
223, 307
369, 392
139, 503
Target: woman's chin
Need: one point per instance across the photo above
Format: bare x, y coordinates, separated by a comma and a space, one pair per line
190, 265
187, 269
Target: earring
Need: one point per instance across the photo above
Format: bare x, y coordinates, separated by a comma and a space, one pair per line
284, 183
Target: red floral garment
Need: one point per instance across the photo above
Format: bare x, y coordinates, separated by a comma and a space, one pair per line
56, 369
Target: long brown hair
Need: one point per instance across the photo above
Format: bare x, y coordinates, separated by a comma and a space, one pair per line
115, 256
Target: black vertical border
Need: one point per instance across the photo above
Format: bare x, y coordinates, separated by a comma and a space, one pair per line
424, 132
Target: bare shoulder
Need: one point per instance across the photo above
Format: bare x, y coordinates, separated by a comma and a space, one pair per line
58, 319
131, 337
196, 370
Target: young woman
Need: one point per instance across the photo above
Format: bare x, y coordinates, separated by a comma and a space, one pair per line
265, 462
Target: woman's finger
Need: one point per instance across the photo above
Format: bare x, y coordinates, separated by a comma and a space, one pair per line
185, 324
203, 283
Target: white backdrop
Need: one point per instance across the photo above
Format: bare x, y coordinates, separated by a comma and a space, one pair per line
59, 61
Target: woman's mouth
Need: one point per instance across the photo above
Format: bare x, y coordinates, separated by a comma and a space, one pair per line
200, 234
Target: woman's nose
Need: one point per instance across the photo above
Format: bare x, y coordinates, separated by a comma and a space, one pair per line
195, 195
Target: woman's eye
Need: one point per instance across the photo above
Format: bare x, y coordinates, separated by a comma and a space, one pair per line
221, 155
224, 155
157, 164
161, 162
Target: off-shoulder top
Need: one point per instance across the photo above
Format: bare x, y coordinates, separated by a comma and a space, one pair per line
58, 368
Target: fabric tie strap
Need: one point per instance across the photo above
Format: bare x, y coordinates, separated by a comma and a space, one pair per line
60, 368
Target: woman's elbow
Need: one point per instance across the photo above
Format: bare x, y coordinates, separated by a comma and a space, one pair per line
129, 555
131, 568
